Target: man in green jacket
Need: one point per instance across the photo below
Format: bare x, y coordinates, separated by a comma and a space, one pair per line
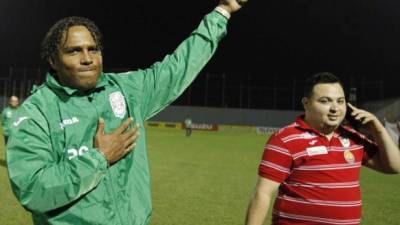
70, 156
7, 115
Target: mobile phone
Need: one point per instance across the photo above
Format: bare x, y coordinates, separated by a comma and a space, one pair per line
350, 120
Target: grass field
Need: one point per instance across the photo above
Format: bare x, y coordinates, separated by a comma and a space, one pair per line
207, 179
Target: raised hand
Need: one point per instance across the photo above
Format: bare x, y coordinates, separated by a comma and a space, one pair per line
118, 143
232, 5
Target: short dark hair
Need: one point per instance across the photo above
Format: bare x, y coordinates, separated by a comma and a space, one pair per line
320, 78
51, 42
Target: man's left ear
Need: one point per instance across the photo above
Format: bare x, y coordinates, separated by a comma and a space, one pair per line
304, 101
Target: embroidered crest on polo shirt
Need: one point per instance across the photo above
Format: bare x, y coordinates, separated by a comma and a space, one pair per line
118, 105
317, 150
348, 156
345, 141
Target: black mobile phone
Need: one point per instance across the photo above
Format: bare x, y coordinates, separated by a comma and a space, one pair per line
350, 120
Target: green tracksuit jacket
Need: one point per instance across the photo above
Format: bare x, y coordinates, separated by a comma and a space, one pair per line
55, 171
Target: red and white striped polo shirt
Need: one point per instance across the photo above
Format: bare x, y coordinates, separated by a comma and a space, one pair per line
319, 177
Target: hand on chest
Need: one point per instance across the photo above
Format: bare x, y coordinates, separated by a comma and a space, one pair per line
80, 116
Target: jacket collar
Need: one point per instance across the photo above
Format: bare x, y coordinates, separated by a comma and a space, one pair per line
53, 83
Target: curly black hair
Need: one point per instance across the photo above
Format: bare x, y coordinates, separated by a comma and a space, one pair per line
52, 41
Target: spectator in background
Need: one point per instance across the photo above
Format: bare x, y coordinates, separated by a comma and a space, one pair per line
315, 162
70, 157
398, 132
188, 127
8, 114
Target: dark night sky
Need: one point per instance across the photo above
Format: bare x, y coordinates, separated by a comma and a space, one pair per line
353, 38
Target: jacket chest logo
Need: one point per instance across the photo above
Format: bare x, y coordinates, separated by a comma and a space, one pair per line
67, 122
118, 105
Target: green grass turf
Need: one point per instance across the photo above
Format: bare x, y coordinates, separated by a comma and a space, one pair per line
205, 179
208, 179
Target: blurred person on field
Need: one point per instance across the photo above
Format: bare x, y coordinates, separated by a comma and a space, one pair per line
188, 127
398, 132
7, 116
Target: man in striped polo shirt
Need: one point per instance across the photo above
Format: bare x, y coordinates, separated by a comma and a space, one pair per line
315, 162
